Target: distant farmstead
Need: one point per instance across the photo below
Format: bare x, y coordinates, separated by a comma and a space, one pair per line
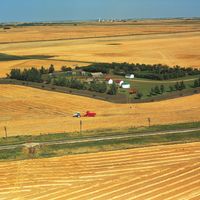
97, 74
130, 76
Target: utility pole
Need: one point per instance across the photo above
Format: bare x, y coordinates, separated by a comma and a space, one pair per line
6, 134
81, 124
149, 120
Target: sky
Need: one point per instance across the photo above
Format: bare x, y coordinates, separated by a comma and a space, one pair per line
56, 10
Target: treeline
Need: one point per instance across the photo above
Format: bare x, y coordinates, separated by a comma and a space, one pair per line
197, 83
33, 74
94, 86
155, 72
178, 86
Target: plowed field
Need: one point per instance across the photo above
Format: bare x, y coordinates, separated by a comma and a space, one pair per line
162, 172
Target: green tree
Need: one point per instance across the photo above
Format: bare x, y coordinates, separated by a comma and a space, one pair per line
65, 69
43, 70
157, 90
139, 95
152, 92
15, 74
171, 88
51, 69
182, 85
177, 86
113, 89
196, 83
162, 89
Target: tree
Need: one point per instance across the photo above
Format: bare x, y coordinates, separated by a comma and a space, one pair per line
15, 74
102, 87
43, 70
182, 85
196, 83
51, 69
152, 92
139, 95
65, 69
171, 88
157, 90
177, 86
162, 89
113, 89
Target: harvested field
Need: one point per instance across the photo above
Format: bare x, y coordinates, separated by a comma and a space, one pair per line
161, 172
169, 49
85, 30
6, 66
173, 42
32, 111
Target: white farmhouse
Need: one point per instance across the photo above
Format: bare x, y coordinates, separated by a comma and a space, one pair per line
130, 76
110, 82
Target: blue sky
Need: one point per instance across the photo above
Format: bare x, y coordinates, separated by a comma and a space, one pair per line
53, 10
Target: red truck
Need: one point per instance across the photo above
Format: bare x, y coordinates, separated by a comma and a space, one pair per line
90, 114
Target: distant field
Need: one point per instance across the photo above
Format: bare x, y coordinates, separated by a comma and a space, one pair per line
33, 111
85, 30
168, 42
161, 172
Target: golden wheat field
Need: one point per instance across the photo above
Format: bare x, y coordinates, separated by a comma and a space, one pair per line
26, 110
162, 172
172, 43
85, 30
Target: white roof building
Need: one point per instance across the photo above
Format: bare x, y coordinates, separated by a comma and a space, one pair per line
126, 86
110, 81
130, 76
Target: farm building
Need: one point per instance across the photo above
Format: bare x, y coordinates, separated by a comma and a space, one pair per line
97, 74
130, 76
79, 72
110, 82
126, 85
119, 82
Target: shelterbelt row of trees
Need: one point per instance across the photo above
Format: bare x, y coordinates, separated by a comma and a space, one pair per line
94, 86
155, 72
35, 75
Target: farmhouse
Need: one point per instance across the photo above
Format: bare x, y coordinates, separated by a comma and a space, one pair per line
119, 82
126, 85
97, 74
110, 82
79, 72
130, 76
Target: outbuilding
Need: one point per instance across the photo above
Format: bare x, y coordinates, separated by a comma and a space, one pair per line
110, 82
126, 86
97, 74
130, 76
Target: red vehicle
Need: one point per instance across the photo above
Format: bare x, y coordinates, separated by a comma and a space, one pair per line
90, 114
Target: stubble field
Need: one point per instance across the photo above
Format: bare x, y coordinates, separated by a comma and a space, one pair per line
162, 172
172, 43
32, 111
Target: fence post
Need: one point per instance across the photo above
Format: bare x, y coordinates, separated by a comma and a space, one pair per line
81, 125
149, 120
6, 133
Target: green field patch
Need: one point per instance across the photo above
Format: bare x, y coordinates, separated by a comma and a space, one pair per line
7, 57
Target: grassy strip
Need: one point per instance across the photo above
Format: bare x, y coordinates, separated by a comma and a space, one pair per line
96, 133
99, 146
7, 57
